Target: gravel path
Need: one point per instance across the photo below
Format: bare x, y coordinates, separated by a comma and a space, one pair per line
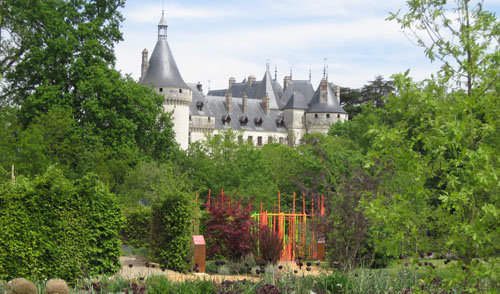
139, 269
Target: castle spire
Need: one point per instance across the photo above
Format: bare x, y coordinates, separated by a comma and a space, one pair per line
162, 27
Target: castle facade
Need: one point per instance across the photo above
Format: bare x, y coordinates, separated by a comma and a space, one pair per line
262, 111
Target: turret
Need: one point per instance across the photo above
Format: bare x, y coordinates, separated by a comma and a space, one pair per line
144, 63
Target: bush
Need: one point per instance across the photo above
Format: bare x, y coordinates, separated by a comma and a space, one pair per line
269, 245
57, 286
136, 228
21, 286
171, 230
228, 230
53, 227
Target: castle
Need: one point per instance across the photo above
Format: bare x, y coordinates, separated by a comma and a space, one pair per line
263, 111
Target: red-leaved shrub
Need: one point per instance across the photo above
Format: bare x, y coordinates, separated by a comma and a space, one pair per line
228, 231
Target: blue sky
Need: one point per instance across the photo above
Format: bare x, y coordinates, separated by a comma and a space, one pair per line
215, 40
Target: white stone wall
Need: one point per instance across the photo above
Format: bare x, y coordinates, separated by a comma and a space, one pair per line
321, 122
199, 127
178, 101
275, 137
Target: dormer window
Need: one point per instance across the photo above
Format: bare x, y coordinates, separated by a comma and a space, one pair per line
199, 105
226, 119
280, 122
244, 120
258, 122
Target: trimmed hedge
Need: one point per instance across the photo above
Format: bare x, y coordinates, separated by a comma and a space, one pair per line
171, 230
136, 228
54, 227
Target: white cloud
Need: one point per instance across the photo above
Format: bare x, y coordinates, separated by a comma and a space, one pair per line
148, 13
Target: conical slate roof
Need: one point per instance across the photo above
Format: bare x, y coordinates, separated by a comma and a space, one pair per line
331, 105
162, 70
297, 101
266, 87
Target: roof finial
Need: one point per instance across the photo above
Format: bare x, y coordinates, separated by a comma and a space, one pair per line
324, 68
310, 74
291, 72
162, 26
275, 72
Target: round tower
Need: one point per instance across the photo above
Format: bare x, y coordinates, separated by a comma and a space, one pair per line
163, 74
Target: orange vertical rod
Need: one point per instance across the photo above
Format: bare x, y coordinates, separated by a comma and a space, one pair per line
322, 205
312, 205
274, 218
319, 203
279, 202
293, 202
261, 207
196, 199
209, 192
304, 204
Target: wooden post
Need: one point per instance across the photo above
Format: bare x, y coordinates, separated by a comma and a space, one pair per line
321, 250
199, 252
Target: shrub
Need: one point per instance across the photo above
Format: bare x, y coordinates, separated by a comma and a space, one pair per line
228, 231
57, 286
53, 227
136, 228
21, 286
171, 230
269, 245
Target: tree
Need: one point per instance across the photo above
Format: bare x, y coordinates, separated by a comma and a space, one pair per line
441, 137
58, 56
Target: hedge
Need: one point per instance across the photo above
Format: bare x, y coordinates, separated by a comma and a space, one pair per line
54, 227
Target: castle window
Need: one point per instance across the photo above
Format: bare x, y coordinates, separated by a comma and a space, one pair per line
199, 105
161, 90
240, 140
180, 91
226, 119
190, 118
281, 140
259, 141
338, 115
270, 140
316, 115
250, 140
327, 115
258, 121
244, 120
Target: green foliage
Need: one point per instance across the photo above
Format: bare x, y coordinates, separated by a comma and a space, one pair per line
146, 183
136, 227
64, 103
171, 230
54, 227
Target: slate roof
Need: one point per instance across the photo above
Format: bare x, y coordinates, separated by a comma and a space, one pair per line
198, 100
303, 86
332, 106
297, 101
270, 123
267, 87
238, 89
163, 71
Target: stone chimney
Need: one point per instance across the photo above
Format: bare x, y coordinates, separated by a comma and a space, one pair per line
244, 103
229, 98
265, 103
286, 82
337, 93
251, 79
145, 63
231, 82
323, 92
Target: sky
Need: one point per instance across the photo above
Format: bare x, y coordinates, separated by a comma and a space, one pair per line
214, 40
